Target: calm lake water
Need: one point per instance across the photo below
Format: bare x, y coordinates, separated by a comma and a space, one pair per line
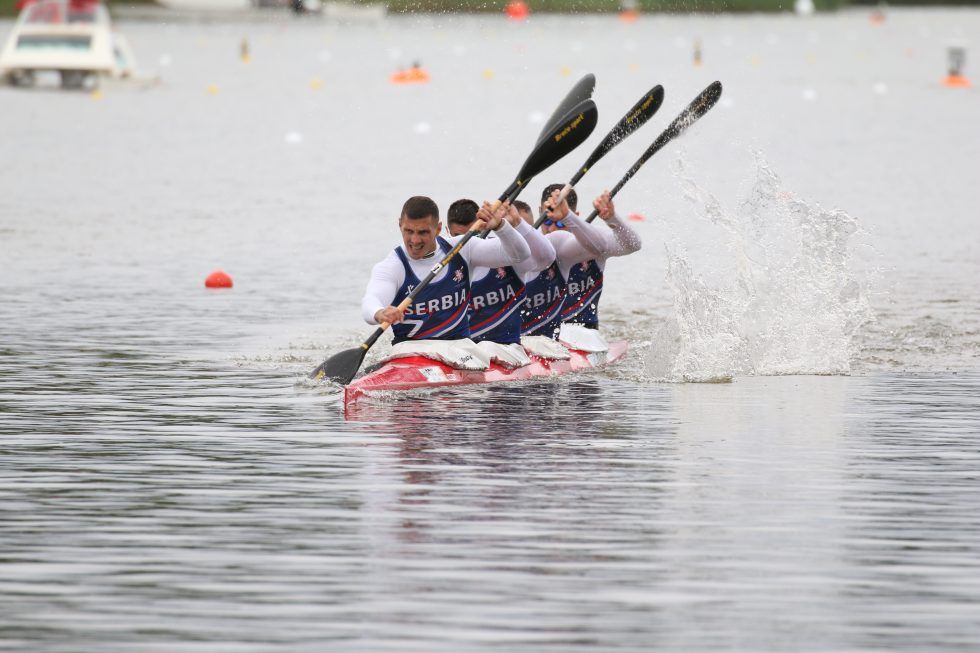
788, 460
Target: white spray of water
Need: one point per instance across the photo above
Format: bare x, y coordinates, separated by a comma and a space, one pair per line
785, 302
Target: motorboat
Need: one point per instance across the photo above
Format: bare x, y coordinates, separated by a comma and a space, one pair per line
73, 38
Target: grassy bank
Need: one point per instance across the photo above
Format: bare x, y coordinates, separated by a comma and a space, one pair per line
594, 6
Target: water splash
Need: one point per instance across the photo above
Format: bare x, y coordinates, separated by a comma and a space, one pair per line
784, 301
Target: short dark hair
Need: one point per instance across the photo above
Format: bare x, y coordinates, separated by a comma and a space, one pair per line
571, 198
419, 207
521, 205
462, 212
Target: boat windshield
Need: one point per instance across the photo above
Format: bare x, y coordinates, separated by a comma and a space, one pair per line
56, 12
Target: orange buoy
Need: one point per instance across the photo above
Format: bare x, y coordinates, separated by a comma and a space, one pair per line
877, 17
956, 81
517, 10
636, 217
414, 75
629, 15
218, 279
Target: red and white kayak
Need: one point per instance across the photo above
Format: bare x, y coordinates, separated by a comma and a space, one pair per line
417, 372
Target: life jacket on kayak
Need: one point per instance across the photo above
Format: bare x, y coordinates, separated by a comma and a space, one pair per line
439, 312
541, 314
495, 303
584, 289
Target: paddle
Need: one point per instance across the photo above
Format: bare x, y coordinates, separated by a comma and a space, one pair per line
567, 134
697, 108
581, 92
635, 118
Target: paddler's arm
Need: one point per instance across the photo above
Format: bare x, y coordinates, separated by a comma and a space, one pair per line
542, 251
508, 248
624, 239
586, 235
386, 278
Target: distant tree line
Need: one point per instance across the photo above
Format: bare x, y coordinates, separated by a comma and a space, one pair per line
7, 7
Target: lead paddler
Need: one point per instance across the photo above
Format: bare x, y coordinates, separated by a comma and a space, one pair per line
437, 322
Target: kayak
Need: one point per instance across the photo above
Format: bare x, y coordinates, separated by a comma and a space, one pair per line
419, 372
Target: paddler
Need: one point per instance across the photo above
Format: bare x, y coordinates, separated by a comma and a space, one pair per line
436, 323
575, 241
584, 279
497, 293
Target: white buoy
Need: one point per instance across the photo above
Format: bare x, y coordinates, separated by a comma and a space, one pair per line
804, 7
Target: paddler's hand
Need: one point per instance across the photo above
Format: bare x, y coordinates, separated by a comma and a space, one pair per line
513, 216
604, 205
391, 315
492, 217
556, 211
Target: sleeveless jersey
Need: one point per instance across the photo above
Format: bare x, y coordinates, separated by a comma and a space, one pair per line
584, 288
439, 311
495, 302
541, 314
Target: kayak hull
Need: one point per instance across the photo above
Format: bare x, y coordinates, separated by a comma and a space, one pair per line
419, 372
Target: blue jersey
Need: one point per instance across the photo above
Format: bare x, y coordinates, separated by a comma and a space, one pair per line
541, 315
439, 311
495, 302
584, 289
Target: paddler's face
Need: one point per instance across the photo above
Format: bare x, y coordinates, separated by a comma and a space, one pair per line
549, 225
419, 236
456, 229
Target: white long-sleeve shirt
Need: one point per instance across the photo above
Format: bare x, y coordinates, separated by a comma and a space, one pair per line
579, 241
508, 248
542, 254
619, 240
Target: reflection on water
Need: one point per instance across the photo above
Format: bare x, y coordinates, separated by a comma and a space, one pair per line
583, 515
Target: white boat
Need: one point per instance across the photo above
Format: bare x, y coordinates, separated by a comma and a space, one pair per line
71, 37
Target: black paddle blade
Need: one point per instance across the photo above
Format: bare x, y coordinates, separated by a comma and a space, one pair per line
697, 108
635, 118
581, 92
340, 368
567, 134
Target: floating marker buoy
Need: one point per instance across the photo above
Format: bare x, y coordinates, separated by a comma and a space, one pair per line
697, 52
877, 17
414, 75
96, 94
517, 10
212, 89
243, 52
636, 217
218, 279
630, 11
956, 56
316, 83
565, 71
487, 74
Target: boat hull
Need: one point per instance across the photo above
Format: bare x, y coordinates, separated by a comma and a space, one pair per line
419, 372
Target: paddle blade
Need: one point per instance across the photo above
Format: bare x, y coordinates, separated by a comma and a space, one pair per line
581, 92
340, 368
635, 118
697, 108
567, 134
